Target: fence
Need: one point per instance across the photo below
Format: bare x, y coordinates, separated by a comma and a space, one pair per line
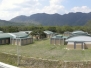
27, 62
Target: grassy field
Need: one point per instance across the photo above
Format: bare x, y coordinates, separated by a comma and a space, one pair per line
43, 49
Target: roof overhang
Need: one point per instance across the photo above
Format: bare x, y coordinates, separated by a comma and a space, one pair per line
79, 39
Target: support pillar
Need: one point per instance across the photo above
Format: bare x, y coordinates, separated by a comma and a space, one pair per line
83, 45
20, 42
54, 41
74, 45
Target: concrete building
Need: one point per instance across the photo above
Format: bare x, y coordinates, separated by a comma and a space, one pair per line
21, 38
79, 40
5, 38
58, 40
67, 33
18, 38
49, 34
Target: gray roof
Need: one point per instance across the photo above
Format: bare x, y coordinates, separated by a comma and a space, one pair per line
1, 31
79, 32
14, 35
59, 37
26, 31
48, 32
80, 38
5, 35
67, 32
19, 35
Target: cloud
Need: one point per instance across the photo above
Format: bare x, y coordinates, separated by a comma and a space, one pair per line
12, 4
54, 7
55, 2
13, 8
83, 9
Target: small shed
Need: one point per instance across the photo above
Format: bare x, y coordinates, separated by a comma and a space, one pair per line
20, 38
79, 42
67, 33
49, 34
58, 40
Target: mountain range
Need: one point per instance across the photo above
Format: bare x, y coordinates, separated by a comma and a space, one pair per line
73, 19
55, 19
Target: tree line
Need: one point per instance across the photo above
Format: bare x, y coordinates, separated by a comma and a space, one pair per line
38, 29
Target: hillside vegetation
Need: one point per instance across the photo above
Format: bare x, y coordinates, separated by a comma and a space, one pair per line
73, 19
8, 23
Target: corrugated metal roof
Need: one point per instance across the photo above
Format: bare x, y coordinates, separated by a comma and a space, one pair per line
19, 35
48, 32
14, 35
59, 36
67, 32
23, 37
26, 31
5, 35
78, 32
79, 39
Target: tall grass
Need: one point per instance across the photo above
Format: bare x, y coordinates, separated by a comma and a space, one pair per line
43, 49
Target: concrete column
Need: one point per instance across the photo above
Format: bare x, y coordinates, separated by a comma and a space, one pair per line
83, 45
20, 42
50, 40
16, 41
32, 40
13, 42
54, 41
59, 41
10, 41
63, 41
74, 45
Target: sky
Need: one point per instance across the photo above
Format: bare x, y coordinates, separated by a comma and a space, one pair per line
12, 8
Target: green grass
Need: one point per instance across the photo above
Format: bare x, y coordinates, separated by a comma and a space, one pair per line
43, 49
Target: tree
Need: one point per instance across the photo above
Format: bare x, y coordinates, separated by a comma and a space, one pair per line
88, 26
38, 33
50, 28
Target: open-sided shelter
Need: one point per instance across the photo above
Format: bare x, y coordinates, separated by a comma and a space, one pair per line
79, 33
79, 40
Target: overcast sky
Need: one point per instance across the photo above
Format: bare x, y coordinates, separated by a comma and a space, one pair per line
12, 8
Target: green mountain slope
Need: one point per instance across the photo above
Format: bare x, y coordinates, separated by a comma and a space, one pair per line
54, 19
